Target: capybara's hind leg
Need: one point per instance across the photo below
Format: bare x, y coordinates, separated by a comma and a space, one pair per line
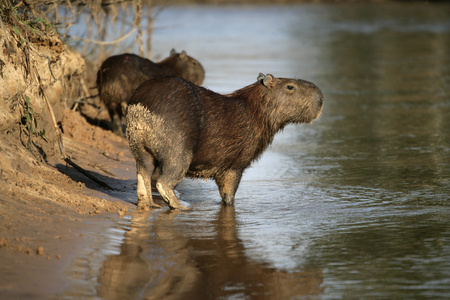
169, 196
145, 168
171, 174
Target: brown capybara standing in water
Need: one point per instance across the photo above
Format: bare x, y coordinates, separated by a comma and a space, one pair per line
176, 129
120, 75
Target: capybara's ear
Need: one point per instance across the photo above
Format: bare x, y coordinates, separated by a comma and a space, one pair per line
267, 80
173, 52
260, 77
183, 54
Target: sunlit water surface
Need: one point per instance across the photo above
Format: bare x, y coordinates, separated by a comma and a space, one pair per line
353, 206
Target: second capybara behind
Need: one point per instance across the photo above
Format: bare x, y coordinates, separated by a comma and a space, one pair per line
177, 129
120, 75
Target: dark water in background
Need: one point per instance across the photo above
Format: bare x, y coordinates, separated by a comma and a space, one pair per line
354, 206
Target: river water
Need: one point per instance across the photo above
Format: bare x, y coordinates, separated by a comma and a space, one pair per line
353, 206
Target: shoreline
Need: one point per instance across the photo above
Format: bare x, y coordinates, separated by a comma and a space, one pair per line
43, 227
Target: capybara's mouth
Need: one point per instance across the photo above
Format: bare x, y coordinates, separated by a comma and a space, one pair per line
319, 110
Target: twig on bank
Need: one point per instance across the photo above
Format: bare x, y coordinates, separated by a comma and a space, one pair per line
138, 25
44, 56
8, 47
59, 136
149, 30
52, 115
105, 43
85, 90
87, 174
100, 168
106, 154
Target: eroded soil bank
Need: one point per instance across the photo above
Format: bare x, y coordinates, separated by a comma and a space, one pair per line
45, 204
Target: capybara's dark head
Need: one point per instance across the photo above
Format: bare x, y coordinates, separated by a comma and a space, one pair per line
188, 68
291, 100
280, 101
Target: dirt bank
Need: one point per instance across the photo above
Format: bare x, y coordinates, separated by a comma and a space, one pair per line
46, 206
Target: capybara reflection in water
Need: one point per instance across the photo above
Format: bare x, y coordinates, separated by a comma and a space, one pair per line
120, 75
176, 129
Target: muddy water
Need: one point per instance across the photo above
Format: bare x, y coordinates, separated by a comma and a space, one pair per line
354, 206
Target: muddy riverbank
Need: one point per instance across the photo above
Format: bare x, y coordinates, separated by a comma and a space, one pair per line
47, 206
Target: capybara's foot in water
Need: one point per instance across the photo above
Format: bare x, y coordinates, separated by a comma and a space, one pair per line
147, 205
228, 201
145, 200
169, 197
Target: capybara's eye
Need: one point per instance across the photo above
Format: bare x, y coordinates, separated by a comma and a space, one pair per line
290, 87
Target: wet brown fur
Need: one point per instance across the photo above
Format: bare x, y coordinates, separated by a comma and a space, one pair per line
180, 129
120, 75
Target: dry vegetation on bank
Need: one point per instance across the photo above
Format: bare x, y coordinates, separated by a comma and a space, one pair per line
41, 81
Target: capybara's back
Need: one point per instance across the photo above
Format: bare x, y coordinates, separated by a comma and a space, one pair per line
120, 75
176, 129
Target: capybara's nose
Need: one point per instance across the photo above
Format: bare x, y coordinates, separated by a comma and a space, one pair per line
321, 101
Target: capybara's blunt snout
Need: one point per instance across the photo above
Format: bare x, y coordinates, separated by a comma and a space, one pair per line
318, 96
314, 99
318, 99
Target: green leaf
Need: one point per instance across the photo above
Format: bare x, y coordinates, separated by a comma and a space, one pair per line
16, 30
42, 135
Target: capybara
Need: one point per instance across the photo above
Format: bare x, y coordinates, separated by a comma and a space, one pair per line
176, 129
120, 75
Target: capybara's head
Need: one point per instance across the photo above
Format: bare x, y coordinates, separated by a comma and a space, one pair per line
291, 100
189, 68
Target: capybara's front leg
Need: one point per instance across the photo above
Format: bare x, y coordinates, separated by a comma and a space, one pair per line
116, 124
169, 197
228, 184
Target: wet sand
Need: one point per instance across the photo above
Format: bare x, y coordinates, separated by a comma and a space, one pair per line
46, 215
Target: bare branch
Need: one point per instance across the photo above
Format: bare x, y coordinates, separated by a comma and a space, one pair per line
105, 43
